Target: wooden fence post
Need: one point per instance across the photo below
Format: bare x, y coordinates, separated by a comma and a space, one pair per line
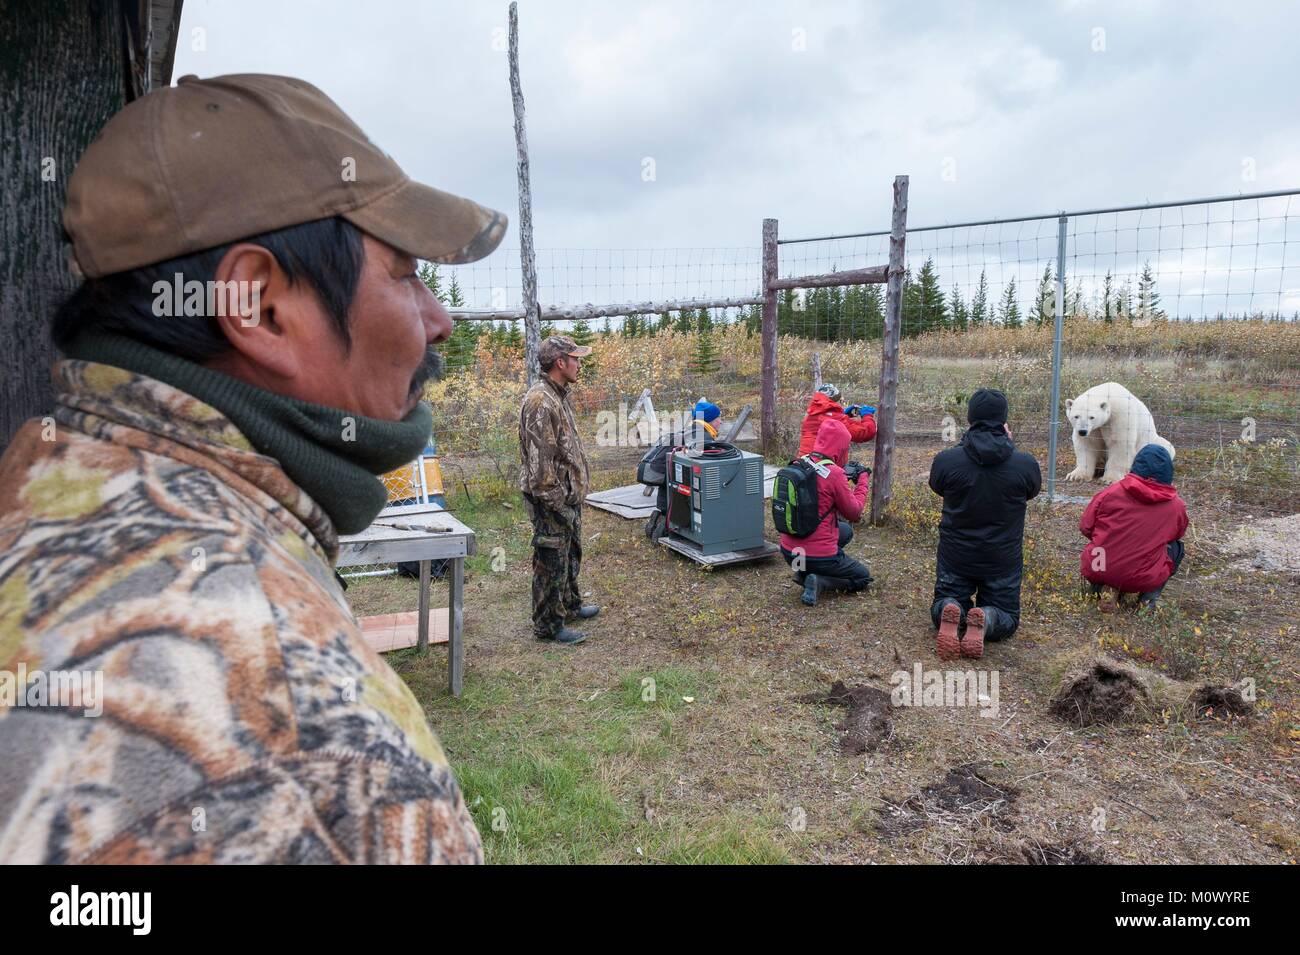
768, 387
883, 470
528, 261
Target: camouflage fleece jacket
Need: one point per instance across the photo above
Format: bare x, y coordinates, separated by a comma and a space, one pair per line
553, 467
244, 718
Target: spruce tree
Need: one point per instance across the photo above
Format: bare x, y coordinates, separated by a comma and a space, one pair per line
927, 300
1148, 296
1107, 299
1078, 305
957, 309
979, 306
704, 361
1009, 311
685, 321
873, 313
428, 273
1045, 300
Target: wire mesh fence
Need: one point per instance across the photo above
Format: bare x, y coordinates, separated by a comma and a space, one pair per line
1191, 307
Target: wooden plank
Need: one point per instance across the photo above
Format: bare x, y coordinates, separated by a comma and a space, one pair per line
561, 313
413, 547
767, 392
399, 631
527, 257
883, 468
686, 548
875, 275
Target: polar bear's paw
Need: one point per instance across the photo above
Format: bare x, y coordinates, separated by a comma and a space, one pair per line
1078, 474
1110, 477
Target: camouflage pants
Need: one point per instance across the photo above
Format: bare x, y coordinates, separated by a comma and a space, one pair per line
557, 557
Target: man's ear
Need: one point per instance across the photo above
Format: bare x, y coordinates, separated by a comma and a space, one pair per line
254, 298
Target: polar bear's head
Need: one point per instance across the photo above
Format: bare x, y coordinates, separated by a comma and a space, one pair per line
1087, 413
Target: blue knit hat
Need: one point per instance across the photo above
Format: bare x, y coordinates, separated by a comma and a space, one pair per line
707, 411
1154, 462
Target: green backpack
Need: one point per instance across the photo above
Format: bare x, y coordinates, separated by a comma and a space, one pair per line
794, 497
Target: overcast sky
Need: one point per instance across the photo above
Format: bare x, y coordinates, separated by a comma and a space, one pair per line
800, 111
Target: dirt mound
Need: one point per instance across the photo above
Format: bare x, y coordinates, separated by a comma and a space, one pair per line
963, 795
869, 722
1104, 690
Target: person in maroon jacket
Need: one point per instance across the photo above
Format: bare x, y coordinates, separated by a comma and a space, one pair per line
819, 559
1135, 529
858, 419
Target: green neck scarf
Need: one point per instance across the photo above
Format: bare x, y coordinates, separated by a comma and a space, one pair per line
331, 454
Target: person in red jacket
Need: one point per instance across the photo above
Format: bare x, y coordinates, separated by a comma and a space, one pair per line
1135, 529
859, 419
819, 559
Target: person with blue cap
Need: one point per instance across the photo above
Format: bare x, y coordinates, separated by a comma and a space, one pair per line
706, 421
1134, 529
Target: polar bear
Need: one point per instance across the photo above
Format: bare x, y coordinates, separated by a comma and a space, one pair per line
1109, 422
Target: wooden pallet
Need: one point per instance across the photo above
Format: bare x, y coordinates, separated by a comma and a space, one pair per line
709, 561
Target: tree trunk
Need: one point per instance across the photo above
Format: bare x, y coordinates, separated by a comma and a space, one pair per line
62, 72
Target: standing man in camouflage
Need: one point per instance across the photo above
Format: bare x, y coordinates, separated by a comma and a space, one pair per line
553, 477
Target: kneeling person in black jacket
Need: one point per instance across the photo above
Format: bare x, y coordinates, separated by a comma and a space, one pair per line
985, 484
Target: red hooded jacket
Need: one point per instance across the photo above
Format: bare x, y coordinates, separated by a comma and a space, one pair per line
1132, 521
822, 409
835, 496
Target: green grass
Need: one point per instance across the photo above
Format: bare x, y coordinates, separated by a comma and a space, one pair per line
554, 777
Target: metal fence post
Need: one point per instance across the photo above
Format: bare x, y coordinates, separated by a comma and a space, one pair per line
1054, 417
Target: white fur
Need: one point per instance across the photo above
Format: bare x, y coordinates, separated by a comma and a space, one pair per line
1117, 425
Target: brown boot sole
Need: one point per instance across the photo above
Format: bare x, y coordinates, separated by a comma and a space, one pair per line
972, 643
947, 644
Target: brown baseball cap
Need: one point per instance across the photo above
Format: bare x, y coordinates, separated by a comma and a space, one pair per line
558, 345
208, 162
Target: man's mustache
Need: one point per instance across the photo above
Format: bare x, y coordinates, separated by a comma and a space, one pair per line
430, 369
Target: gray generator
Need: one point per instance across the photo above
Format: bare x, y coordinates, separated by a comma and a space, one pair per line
715, 498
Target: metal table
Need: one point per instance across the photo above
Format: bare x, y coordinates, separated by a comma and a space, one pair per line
382, 543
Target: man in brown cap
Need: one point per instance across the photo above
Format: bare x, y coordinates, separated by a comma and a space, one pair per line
246, 353
553, 477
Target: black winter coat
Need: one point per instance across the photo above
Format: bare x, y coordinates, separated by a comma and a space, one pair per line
985, 484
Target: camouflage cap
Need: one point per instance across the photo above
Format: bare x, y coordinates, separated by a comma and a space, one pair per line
558, 345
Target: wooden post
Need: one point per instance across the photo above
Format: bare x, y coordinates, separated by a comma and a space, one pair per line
422, 614
528, 262
768, 386
883, 470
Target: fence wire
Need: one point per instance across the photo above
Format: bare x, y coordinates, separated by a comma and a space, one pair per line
1192, 308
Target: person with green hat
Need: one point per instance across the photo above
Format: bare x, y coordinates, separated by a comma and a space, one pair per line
245, 354
554, 479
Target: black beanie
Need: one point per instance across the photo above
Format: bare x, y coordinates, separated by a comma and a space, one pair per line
988, 405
